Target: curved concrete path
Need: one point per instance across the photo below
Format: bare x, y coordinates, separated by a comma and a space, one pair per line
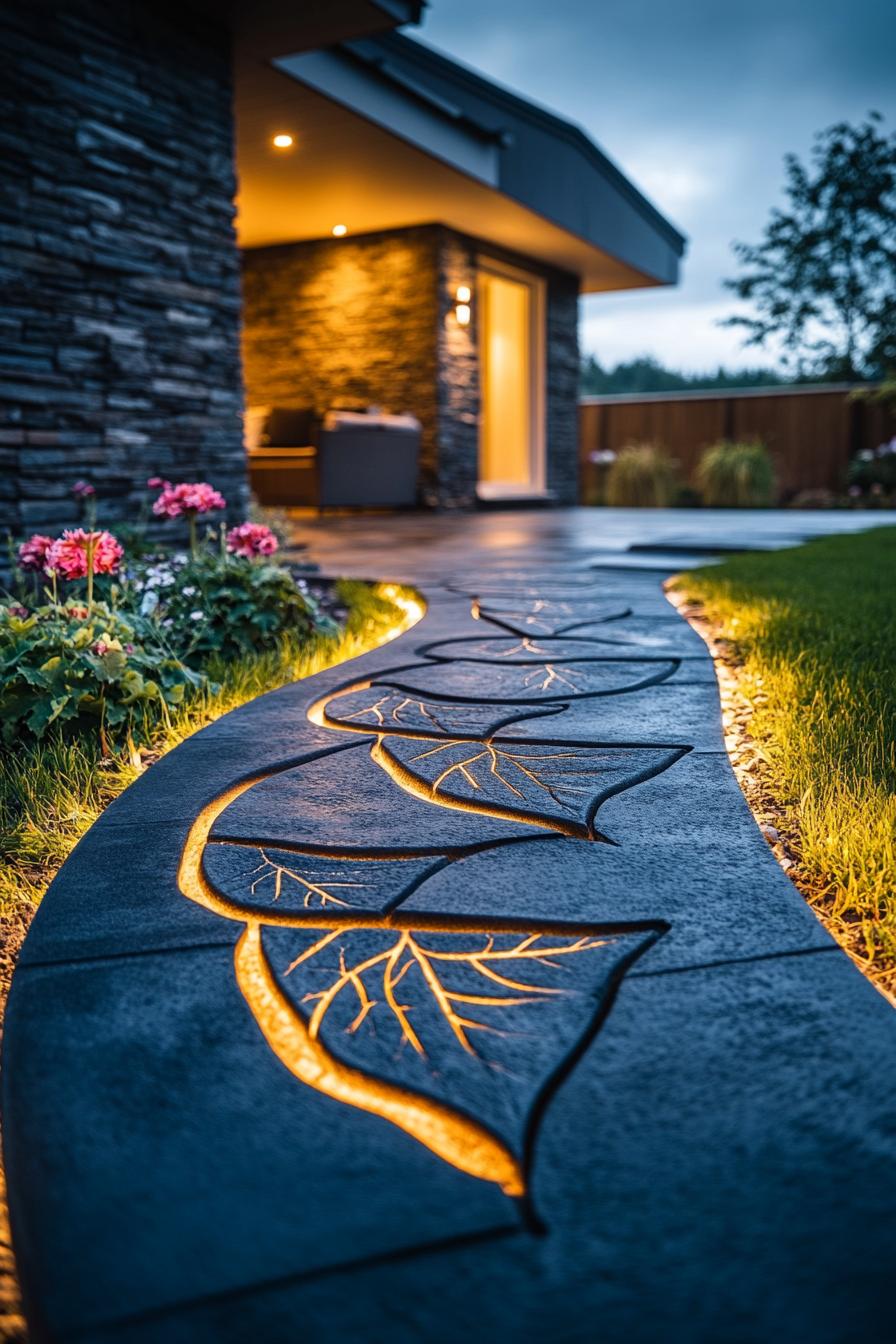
452, 994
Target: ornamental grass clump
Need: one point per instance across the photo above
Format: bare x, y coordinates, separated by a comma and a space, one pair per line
737, 476
642, 476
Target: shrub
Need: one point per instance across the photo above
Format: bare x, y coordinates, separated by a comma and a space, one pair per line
736, 476
222, 604
873, 472
69, 665
642, 476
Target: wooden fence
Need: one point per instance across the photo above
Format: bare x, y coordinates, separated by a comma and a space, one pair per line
811, 432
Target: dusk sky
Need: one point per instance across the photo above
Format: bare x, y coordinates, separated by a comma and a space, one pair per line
698, 103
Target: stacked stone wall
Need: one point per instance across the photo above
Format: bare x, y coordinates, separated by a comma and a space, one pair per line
119, 270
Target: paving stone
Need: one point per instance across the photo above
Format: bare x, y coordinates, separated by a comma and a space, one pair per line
725, 909
350, 803
383, 709
264, 879
552, 784
652, 639
547, 616
204, 765
196, 1162
527, 681
700, 801
685, 1172
479, 1020
671, 712
117, 893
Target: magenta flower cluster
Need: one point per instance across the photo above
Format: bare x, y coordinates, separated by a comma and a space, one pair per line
251, 539
73, 555
186, 500
33, 553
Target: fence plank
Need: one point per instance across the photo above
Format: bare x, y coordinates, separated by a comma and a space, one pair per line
810, 432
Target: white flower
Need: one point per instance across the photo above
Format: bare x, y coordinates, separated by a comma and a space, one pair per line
189, 592
149, 602
197, 615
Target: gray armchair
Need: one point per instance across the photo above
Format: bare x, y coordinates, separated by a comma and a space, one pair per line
349, 460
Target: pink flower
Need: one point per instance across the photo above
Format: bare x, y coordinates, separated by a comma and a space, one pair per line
14, 609
251, 539
83, 490
68, 554
33, 552
158, 483
100, 647
190, 499
77, 613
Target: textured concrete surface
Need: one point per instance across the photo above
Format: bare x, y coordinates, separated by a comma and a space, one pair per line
472, 1006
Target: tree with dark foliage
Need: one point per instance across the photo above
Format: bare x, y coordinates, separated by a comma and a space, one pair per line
823, 279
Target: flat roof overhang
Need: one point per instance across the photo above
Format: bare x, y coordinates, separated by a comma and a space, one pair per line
385, 144
266, 28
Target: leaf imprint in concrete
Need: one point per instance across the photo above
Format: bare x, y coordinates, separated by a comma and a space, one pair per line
452, 1028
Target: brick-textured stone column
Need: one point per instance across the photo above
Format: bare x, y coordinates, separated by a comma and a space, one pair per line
119, 334
459, 393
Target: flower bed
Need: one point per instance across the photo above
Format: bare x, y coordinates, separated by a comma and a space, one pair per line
92, 638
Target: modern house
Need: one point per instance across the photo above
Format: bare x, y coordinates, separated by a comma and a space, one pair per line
406, 235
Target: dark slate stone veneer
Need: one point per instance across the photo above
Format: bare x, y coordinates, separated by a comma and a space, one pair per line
119, 333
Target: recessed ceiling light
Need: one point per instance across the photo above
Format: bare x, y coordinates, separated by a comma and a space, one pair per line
282, 141
340, 230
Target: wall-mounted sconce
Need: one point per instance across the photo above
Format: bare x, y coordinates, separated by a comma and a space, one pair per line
339, 230
282, 141
463, 294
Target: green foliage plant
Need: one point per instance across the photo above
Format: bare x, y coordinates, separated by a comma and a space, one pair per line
86, 668
214, 603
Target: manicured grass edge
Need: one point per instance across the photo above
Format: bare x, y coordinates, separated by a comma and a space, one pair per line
778, 819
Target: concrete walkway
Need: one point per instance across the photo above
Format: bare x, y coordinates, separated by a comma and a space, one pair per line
454, 994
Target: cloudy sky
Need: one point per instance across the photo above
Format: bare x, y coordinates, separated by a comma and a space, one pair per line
698, 102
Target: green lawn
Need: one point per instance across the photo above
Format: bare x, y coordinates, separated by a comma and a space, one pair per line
813, 635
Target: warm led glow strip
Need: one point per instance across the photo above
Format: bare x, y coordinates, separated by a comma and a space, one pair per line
404, 778
455, 1138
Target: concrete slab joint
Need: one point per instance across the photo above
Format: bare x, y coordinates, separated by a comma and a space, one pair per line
466, 959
